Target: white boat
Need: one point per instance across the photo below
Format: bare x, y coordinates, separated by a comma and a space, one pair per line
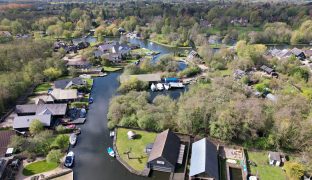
112, 134
102, 74
111, 152
73, 139
153, 87
159, 86
167, 86
176, 85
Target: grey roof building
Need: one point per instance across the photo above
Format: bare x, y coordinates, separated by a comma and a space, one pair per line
41, 109
165, 152
204, 160
23, 122
67, 83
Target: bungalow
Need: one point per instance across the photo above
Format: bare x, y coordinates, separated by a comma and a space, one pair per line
22, 123
150, 78
268, 70
281, 54
56, 110
165, 152
204, 160
193, 56
67, 83
298, 53
60, 95
276, 158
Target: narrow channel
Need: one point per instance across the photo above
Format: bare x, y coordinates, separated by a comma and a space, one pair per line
91, 157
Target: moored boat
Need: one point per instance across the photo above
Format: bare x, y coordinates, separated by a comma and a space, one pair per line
111, 152
167, 86
159, 86
153, 87
73, 139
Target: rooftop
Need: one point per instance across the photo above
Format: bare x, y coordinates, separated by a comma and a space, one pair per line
25, 121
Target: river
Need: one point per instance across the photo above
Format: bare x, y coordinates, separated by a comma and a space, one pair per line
92, 161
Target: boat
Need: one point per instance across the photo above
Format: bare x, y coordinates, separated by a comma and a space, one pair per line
73, 139
167, 86
111, 152
159, 86
153, 87
176, 85
90, 100
112, 133
102, 74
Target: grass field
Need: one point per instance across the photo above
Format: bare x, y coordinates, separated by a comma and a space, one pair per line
38, 167
112, 68
263, 169
143, 51
42, 87
138, 157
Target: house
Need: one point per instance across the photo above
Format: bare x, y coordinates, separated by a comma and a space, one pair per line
268, 70
276, 158
150, 78
308, 53
22, 123
67, 83
165, 152
5, 137
60, 95
281, 54
56, 110
238, 74
298, 53
204, 160
193, 56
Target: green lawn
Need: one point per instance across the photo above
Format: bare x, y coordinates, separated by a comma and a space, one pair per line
263, 169
137, 146
42, 87
143, 51
89, 83
38, 167
112, 68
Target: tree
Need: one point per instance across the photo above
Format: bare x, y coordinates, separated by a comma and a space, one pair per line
294, 170
52, 73
16, 27
54, 156
75, 14
36, 127
18, 143
61, 142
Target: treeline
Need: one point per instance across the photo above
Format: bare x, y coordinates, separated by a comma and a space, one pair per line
25, 63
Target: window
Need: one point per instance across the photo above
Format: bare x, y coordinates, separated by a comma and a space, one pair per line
160, 162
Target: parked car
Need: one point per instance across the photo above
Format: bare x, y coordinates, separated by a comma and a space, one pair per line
69, 159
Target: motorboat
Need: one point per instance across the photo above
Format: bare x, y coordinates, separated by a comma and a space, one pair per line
90, 100
153, 87
69, 159
176, 85
112, 134
73, 139
111, 152
102, 74
159, 86
167, 86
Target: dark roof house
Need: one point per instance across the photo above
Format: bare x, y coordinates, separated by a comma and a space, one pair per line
23, 122
204, 160
165, 152
41, 109
67, 83
298, 53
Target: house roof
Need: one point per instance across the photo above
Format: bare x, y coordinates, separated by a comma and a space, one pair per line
66, 83
5, 137
63, 94
275, 156
308, 52
40, 109
266, 69
296, 51
141, 77
25, 121
167, 146
204, 159
81, 62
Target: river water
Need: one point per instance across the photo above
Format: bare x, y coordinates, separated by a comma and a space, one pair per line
92, 161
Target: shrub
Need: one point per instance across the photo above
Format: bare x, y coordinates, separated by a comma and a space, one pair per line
132, 84
54, 156
294, 170
61, 142
36, 127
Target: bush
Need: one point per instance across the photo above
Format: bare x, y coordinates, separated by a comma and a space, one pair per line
36, 127
54, 156
61, 142
294, 170
132, 84
190, 71
62, 130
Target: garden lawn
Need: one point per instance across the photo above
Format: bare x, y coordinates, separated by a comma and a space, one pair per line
263, 169
38, 167
137, 146
142, 51
112, 68
43, 87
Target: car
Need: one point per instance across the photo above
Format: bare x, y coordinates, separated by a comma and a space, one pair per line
69, 159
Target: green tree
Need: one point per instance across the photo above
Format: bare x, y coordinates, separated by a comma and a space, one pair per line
36, 127
17, 27
54, 156
294, 170
61, 142
52, 73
